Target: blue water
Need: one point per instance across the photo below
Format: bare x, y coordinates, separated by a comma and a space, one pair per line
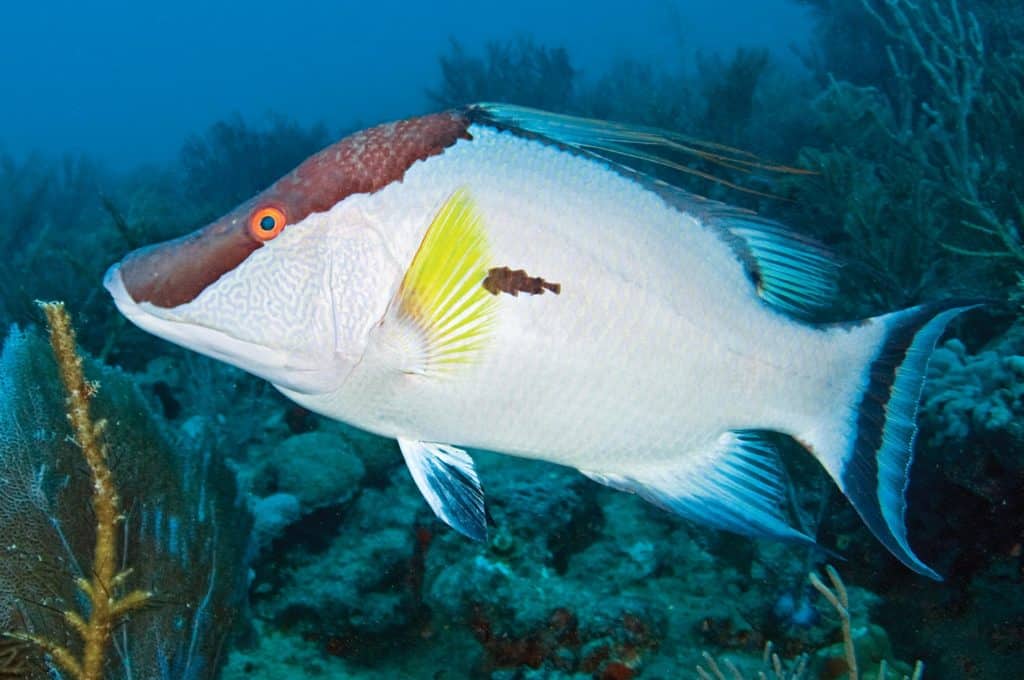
276, 543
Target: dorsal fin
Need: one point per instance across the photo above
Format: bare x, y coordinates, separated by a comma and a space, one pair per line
791, 272
624, 143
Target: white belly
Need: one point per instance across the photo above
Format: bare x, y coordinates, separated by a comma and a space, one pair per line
656, 344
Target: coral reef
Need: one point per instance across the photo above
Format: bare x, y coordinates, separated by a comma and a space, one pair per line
317, 468
936, 113
576, 581
978, 397
866, 644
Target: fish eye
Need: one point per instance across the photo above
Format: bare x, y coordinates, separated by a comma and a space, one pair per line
266, 223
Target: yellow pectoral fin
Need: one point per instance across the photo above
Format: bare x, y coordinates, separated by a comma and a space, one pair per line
442, 296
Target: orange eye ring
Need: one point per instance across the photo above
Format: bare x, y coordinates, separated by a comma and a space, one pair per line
266, 223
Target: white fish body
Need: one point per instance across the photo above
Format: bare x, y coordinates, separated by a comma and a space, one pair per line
655, 346
510, 290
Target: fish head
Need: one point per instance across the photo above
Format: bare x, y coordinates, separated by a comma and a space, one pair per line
289, 284
260, 292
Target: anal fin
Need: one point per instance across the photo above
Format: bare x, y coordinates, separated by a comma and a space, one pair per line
448, 481
737, 485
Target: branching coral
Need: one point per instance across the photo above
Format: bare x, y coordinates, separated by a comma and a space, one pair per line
945, 125
774, 669
234, 160
48, 226
519, 71
728, 89
770, 661
916, 163
946, 44
840, 601
108, 606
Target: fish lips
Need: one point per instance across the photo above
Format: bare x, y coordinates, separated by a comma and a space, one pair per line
275, 365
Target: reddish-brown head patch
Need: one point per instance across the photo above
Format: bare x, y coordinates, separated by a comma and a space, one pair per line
175, 272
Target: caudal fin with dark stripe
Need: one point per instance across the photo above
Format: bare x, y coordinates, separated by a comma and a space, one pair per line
874, 471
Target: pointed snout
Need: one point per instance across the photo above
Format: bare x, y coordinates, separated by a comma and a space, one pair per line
175, 272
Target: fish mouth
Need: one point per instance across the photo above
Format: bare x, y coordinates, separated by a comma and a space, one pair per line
277, 366
114, 284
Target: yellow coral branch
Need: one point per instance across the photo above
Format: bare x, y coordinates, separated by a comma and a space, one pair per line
106, 608
841, 603
59, 653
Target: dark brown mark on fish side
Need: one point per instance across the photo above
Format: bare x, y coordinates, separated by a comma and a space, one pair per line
175, 272
516, 281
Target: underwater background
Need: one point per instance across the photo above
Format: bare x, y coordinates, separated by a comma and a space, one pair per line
272, 543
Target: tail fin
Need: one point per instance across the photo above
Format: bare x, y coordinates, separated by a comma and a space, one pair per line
873, 463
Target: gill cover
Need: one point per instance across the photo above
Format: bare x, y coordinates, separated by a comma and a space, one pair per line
271, 315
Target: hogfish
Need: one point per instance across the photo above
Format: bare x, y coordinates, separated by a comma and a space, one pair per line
502, 278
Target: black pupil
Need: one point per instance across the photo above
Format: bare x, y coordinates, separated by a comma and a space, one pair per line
268, 223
